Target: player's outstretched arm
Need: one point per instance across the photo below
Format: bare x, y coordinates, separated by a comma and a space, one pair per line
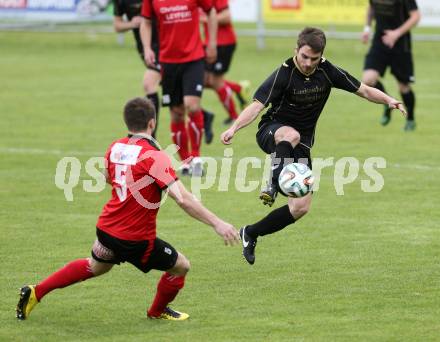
189, 203
247, 116
377, 96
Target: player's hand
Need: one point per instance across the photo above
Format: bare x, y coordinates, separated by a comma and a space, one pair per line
227, 232
365, 37
149, 57
390, 38
226, 137
136, 21
398, 105
211, 54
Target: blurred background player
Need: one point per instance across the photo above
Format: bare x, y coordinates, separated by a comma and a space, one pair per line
297, 92
391, 47
182, 60
126, 229
226, 44
127, 16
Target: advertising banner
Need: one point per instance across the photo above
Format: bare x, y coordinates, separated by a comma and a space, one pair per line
315, 11
52, 9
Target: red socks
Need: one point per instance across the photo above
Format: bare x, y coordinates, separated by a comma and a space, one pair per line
195, 131
71, 273
225, 96
167, 290
180, 138
236, 88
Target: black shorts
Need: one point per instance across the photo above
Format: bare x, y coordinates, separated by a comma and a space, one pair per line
182, 79
112, 250
266, 141
224, 58
401, 62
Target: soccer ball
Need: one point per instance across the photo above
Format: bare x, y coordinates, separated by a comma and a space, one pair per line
295, 180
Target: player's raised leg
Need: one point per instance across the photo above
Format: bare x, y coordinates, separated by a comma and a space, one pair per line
285, 139
275, 221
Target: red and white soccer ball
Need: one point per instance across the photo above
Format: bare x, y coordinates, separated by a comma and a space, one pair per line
296, 180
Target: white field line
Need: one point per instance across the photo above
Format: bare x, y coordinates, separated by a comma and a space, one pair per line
38, 151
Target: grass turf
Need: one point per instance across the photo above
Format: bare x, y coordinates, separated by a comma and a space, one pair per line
363, 266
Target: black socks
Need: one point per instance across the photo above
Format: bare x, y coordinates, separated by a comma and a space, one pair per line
276, 220
409, 100
283, 151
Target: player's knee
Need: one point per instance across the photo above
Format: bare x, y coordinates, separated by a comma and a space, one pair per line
149, 87
299, 209
186, 266
177, 114
182, 266
99, 268
192, 107
290, 135
404, 88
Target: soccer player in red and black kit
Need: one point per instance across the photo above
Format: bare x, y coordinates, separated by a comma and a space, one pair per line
297, 92
226, 44
126, 230
132, 11
391, 47
182, 59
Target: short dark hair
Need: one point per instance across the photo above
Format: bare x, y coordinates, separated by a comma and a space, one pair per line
313, 37
137, 114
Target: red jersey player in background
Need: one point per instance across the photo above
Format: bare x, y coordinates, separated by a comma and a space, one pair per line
126, 17
226, 44
126, 230
182, 59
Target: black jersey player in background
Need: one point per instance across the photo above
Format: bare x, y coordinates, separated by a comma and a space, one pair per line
297, 92
391, 47
127, 16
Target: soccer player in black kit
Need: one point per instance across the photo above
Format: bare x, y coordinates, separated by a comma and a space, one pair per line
131, 9
391, 47
296, 92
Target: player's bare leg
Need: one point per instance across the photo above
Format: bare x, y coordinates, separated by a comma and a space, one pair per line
171, 282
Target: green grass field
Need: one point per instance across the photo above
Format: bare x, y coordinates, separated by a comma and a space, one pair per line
359, 267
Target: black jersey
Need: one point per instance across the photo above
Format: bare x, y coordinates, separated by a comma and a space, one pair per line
389, 15
132, 8
297, 100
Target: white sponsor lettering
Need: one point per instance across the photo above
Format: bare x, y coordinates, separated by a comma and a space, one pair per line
164, 10
125, 154
57, 4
